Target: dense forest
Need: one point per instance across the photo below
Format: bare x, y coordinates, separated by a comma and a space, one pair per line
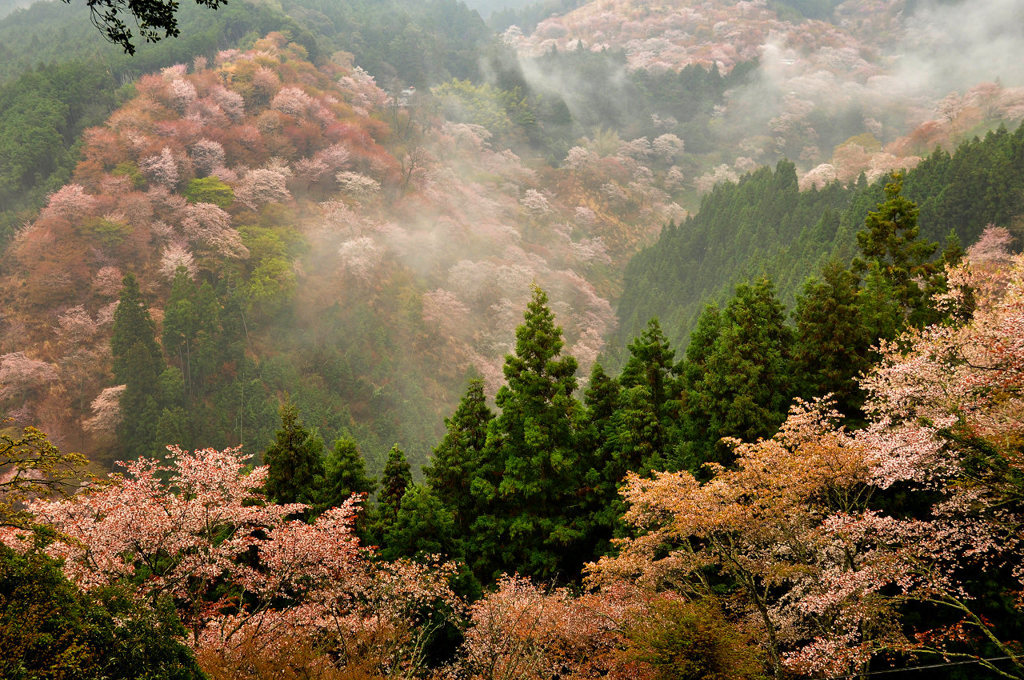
764, 225
508, 339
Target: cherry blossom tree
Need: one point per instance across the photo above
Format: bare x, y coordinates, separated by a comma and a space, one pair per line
161, 169
21, 376
206, 155
293, 101
207, 226
264, 185
106, 409
71, 202
522, 631
197, 529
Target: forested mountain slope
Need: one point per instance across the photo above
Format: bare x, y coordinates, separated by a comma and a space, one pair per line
765, 225
356, 253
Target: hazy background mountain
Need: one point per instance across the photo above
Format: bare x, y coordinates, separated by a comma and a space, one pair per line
461, 166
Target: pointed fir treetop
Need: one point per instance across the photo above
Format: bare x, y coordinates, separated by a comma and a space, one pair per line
535, 371
455, 459
344, 474
650, 362
295, 460
890, 240
395, 480
602, 394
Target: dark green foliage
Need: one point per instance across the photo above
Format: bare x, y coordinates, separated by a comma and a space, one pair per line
600, 457
527, 486
295, 460
395, 481
344, 474
155, 19
762, 223
746, 384
197, 346
138, 364
50, 629
650, 401
41, 115
831, 338
423, 526
455, 461
400, 42
889, 244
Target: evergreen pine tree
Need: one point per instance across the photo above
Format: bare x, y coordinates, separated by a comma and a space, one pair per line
344, 475
138, 364
746, 386
454, 462
534, 521
395, 480
832, 341
890, 244
295, 460
650, 410
423, 526
599, 460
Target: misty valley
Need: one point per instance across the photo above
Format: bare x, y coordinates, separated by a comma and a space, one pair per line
511, 339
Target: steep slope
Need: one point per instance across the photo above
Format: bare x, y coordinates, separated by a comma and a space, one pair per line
763, 224
356, 253
833, 86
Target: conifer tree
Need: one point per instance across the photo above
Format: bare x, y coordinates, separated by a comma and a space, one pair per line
454, 462
344, 474
890, 245
295, 460
395, 480
832, 341
746, 385
530, 468
422, 526
138, 364
650, 410
600, 465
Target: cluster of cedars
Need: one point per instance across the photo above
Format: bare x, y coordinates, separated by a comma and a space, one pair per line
533, 489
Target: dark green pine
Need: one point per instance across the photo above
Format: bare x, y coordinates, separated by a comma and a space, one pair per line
344, 475
890, 245
395, 480
832, 340
455, 461
138, 364
745, 386
295, 460
529, 486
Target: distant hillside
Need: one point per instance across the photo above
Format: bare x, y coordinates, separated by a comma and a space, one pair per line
764, 224
358, 255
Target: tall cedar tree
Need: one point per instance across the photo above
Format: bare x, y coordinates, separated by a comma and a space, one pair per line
455, 461
650, 400
605, 469
395, 481
191, 331
746, 385
295, 460
138, 364
344, 474
529, 485
832, 341
890, 245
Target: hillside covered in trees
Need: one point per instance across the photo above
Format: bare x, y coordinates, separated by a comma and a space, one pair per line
554, 340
